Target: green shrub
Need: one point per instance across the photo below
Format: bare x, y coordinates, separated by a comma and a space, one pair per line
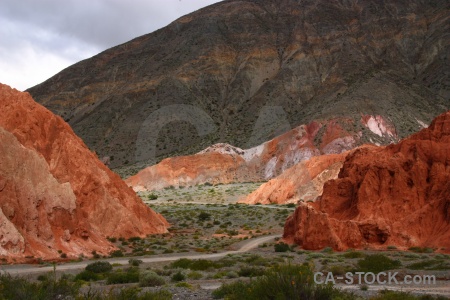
178, 276
353, 254
195, 265
247, 271
338, 270
135, 262
232, 274
130, 275
195, 275
150, 278
152, 197
184, 284
87, 276
183, 263
203, 216
99, 267
281, 247
42, 278
134, 239
116, 253
430, 264
421, 250
202, 265
257, 260
377, 263
18, 288
282, 282
327, 250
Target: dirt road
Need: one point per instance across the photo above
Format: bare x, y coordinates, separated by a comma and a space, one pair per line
245, 246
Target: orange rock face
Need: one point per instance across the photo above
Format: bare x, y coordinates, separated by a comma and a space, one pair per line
210, 167
395, 195
223, 163
300, 183
54, 193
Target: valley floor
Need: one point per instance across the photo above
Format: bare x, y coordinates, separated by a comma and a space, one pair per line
214, 241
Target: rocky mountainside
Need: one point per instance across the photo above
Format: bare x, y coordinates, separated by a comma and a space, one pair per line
223, 163
301, 183
394, 195
243, 71
55, 195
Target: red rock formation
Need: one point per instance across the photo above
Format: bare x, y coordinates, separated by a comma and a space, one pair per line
302, 182
212, 167
395, 195
232, 164
54, 193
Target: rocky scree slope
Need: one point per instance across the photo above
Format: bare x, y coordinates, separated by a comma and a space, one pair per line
394, 195
253, 69
55, 195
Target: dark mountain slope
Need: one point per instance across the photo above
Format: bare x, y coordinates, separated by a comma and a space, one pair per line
249, 70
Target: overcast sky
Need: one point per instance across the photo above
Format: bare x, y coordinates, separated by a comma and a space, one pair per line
39, 38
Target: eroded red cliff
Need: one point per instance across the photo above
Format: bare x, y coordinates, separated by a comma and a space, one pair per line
54, 193
223, 163
395, 195
301, 183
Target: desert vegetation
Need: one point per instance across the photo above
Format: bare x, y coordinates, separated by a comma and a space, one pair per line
204, 221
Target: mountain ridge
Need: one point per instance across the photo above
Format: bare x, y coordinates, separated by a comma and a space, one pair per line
299, 60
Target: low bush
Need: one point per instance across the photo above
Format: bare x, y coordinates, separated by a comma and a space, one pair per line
178, 276
246, 271
87, 276
131, 275
184, 284
377, 263
421, 250
135, 262
430, 264
195, 275
183, 263
195, 265
152, 197
282, 282
391, 295
281, 247
99, 267
18, 288
150, 278
116, 253
353, 254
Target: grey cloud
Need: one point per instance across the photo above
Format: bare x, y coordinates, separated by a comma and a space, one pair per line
62, 32
103, 23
